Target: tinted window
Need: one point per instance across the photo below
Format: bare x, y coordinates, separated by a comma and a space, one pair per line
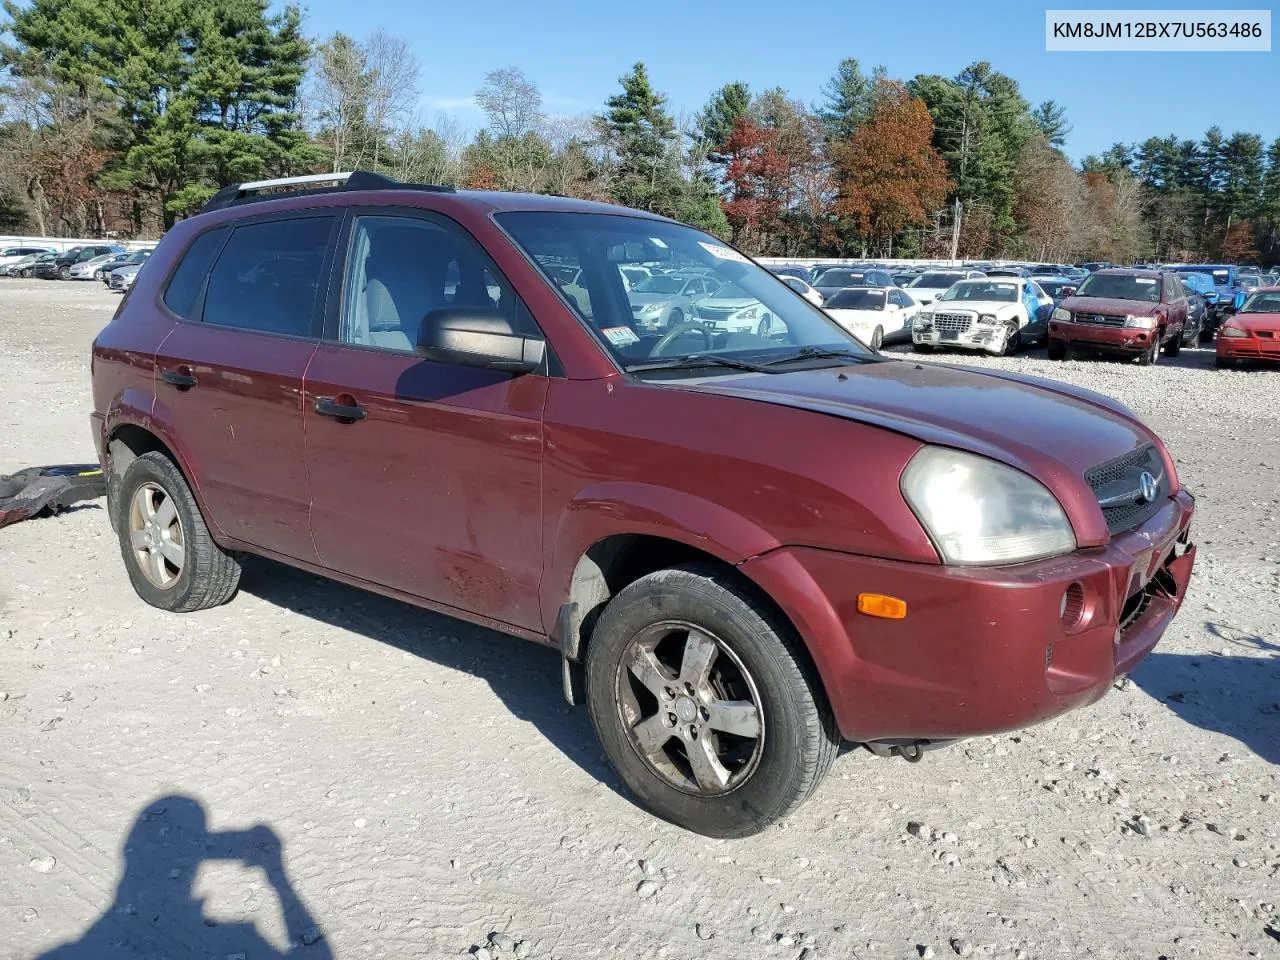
934, 281
402, 269
267, 276
1121, 287
853, 298
184, 286
840, 278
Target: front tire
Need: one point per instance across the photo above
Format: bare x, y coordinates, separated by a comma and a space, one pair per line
1010, 344
172, 560
877, 338
1149, 356
64, 273
706, 703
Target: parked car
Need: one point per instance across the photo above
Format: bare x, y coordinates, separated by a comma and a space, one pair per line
88, 269
1048, 270
1225, 283
732, 309
833, 279
873, 314
60, 266
1008, 272
902, 278
1254, 332
16, 267
932, 284
1057, 287
29, 265
1200, 289
665, 300
103, 270
122, 278
1132, 312
997, 315
11, 255
744, 549
802, 288
792, 270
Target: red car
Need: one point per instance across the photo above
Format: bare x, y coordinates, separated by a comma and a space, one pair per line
746, 547
1128, 312
1254, 332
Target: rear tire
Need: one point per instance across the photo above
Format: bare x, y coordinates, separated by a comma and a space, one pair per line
172, 560
653, 707
1057, 350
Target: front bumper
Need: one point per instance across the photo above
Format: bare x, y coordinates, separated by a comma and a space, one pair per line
981, 650
1248, 348
978, 337
1096, 336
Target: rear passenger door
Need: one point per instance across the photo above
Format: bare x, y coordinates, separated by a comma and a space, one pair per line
426, 477
248, 299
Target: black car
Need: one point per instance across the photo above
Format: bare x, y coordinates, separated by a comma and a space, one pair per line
60, 266
833, 279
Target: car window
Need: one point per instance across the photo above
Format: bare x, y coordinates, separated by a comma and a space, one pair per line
793, 283
400, 270
1121, 287
267, 276
1262, 302
183, 290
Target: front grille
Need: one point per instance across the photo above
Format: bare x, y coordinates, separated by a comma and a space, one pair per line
1118, 486
1100, 319
957, 322
716, 313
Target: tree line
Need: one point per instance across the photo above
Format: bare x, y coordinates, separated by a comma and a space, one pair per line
126, 115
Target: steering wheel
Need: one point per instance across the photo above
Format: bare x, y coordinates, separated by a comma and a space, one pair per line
679, 329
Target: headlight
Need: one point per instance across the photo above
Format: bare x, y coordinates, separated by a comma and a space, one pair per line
924, 320
651, 309
1060, 314
747, 314
1232, 331
986, 318
978, 511
1140, 323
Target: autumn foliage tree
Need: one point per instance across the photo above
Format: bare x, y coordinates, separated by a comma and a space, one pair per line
752, 169
888, 175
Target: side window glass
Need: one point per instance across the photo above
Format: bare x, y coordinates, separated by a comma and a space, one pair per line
183, 290
268, 275
402, 269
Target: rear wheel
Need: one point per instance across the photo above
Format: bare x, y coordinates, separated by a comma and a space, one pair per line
1057, 350
172, 560
706, 704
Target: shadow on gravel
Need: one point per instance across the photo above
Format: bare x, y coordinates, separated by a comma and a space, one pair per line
1234, 695
524, 675
156, 912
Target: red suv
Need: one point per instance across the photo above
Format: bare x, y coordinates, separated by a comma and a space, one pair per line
747, 545
1130, 312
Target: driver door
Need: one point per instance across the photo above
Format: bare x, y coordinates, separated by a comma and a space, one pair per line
426, 477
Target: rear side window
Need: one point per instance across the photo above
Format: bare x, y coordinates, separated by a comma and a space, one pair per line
183, 290
268, 275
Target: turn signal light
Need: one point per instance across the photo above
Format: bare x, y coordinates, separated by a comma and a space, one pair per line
879, 605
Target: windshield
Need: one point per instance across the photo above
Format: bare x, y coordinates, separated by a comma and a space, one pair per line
839, 278
1054, 287
855, 299
1267, 301
1119, 286
982, 290
774, 324
661, 284
1222, 277
936, 281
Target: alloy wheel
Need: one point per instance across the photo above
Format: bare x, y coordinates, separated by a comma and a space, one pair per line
156, 535
690, 708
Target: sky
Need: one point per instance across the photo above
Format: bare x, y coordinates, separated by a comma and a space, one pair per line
575, 52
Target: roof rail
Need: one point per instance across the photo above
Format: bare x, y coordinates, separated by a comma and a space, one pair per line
239, 193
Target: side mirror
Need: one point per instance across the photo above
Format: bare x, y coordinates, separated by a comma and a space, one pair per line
475, 337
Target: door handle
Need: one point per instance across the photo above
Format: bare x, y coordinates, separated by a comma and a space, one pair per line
344, 412
176, 378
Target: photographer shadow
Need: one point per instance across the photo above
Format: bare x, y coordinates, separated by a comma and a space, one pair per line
156, 911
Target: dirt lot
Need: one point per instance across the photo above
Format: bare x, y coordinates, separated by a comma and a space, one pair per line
429, 787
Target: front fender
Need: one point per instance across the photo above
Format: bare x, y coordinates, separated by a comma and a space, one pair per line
625, 507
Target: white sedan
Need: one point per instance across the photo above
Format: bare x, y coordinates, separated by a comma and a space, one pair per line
732, 310
932, 284
873, 314
802, 288
994, 314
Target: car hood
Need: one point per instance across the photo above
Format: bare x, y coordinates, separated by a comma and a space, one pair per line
932, 293
640, 299
977, 306
1106, 306
728, 303
1258, 321
857, 316
1052, 431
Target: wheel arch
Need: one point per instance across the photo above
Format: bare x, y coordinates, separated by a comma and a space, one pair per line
128, 439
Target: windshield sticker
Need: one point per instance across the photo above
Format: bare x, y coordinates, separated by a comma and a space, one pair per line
620, 336
722, 253
1145, 281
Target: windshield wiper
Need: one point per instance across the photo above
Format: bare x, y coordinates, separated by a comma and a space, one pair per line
696, 360
819, 353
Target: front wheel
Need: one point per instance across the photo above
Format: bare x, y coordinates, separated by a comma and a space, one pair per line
1149, 356
64, 273
172, 560
1011, 342
877, 338
765, 327
1173, 346
706, 703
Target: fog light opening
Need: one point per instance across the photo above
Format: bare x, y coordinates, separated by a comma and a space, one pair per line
1071, 607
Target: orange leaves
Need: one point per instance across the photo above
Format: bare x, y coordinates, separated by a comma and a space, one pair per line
756, 174
888, 175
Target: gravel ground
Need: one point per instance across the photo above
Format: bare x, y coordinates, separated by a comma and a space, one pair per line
432, 795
